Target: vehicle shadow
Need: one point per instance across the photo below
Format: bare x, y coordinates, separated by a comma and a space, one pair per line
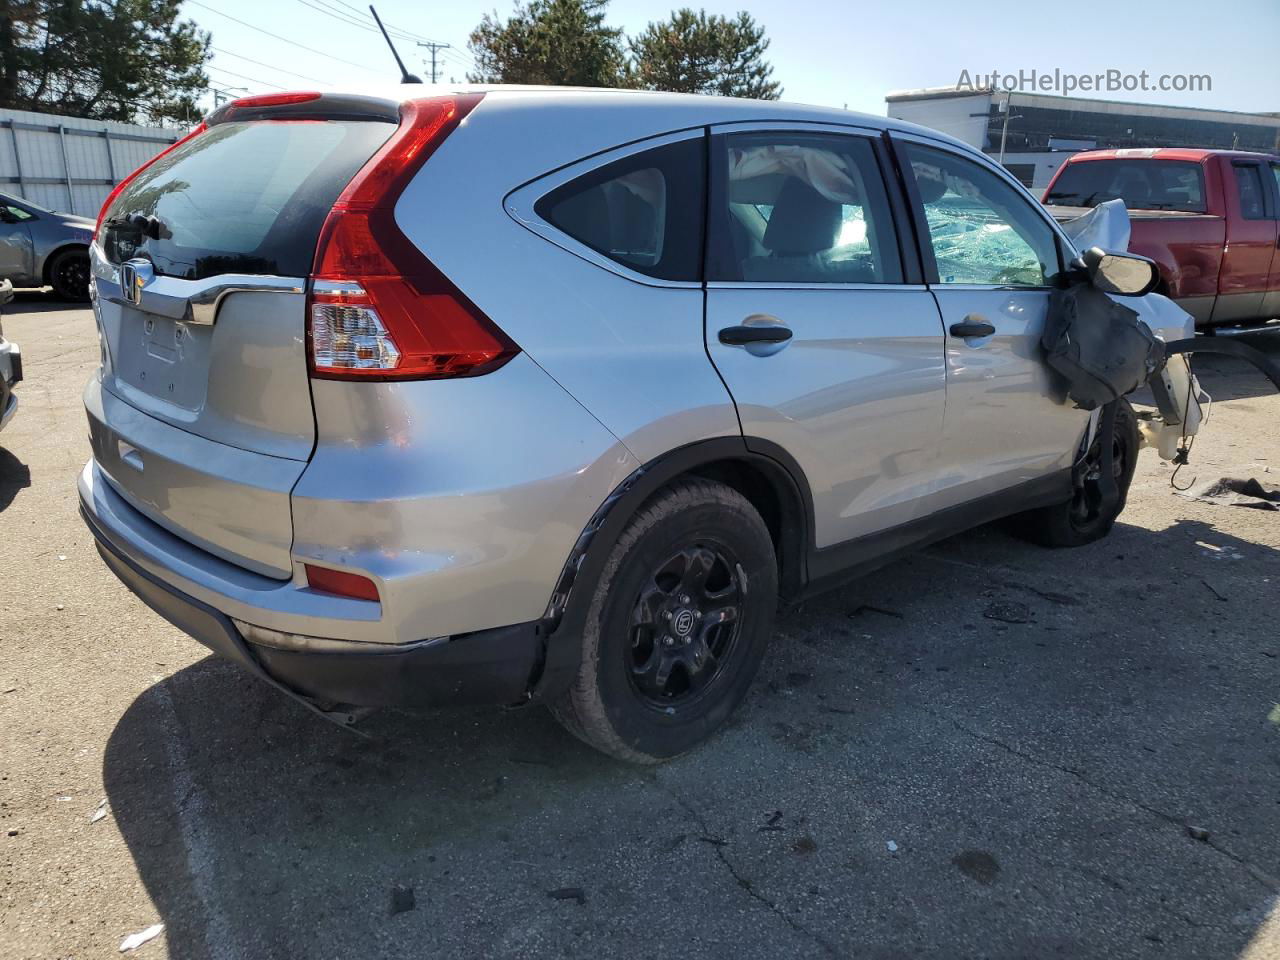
1229, 378
14, 476
39, 301
1030, 731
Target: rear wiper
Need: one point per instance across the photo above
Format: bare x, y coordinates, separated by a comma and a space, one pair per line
152, 227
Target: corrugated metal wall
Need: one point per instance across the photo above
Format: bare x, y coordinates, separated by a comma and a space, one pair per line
69, 164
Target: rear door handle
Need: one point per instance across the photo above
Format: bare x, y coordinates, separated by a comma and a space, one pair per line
972, 326
742, 334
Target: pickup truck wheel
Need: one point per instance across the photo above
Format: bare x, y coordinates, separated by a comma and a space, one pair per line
1085, 517
69, 275
677, 625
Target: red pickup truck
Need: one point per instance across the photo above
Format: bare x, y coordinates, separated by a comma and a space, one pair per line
1209, 218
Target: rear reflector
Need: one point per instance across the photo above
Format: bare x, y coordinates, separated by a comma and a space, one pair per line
341, 583
115, 192
379, 309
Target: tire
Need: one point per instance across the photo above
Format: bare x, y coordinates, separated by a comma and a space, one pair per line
68, 274
692, 532
1082, 519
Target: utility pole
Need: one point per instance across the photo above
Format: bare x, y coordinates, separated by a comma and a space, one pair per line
1004, 130
434, 48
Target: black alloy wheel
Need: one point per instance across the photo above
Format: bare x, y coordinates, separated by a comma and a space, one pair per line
686, 622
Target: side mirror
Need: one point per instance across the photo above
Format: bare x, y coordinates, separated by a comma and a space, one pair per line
1124, 274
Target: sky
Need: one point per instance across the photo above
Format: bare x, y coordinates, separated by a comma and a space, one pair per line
842, 54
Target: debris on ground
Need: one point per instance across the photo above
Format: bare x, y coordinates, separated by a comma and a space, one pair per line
893, 847
13, 832
402, 899
100, 811
1274, 715
1214, 590
805, 846
883, 611
569, 893
1008, 611
135, 940
1236, 492
1198, 833
977, 865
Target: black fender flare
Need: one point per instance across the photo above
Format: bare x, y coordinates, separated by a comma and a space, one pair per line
566, 613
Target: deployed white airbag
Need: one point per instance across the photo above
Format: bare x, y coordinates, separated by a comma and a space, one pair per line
1105, 226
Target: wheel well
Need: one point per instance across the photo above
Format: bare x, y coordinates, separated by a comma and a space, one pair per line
773, 493
66, 248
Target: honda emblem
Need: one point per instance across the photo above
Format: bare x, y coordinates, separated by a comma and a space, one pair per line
134, 275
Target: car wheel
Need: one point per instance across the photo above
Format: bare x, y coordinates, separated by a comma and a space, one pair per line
69, 275
1086, 517
677, 625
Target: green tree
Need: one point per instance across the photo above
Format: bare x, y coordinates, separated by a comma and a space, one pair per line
697, 53
559, 42
130, 60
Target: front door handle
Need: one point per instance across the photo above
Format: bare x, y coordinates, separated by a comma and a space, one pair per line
743, 334
972, 326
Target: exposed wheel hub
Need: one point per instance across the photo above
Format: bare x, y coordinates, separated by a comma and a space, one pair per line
685, 622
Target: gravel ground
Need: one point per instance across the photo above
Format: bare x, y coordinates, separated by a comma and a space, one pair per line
909, 777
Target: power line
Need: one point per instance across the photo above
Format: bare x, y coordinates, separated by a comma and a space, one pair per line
261, 83
276, 36
407, 34
300, 76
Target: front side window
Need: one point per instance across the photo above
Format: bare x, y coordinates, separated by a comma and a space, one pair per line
801, 208
1249, 187
1141, 183
12, 214
981, 229
643, 212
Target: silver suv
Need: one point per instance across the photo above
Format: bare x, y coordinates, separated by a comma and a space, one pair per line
515, 395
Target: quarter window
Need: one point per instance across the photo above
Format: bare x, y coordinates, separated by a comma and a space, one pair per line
801, 208
981, 229
1250, 190
644, 212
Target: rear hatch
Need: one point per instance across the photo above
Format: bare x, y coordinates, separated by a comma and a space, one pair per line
204, 419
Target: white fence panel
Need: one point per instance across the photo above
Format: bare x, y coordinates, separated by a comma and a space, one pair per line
69, 163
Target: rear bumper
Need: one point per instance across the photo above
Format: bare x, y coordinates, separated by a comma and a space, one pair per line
486, 667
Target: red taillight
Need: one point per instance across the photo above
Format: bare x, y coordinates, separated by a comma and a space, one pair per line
115, 192
378, 308
341, 583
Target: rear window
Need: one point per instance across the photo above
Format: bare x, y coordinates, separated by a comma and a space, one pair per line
1141, 184
245, 197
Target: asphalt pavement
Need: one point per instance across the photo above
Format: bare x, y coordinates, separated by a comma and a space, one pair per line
987, 750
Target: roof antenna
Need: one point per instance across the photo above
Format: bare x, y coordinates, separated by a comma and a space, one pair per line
405, 75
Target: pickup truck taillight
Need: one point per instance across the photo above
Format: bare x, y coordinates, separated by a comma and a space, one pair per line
378, 308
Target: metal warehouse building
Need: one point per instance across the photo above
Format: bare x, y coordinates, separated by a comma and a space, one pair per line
1041, 130
69, 164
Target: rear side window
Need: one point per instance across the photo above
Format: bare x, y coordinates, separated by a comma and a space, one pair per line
1141, 184
643, 212
1250, 189
801, 208
244, 197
